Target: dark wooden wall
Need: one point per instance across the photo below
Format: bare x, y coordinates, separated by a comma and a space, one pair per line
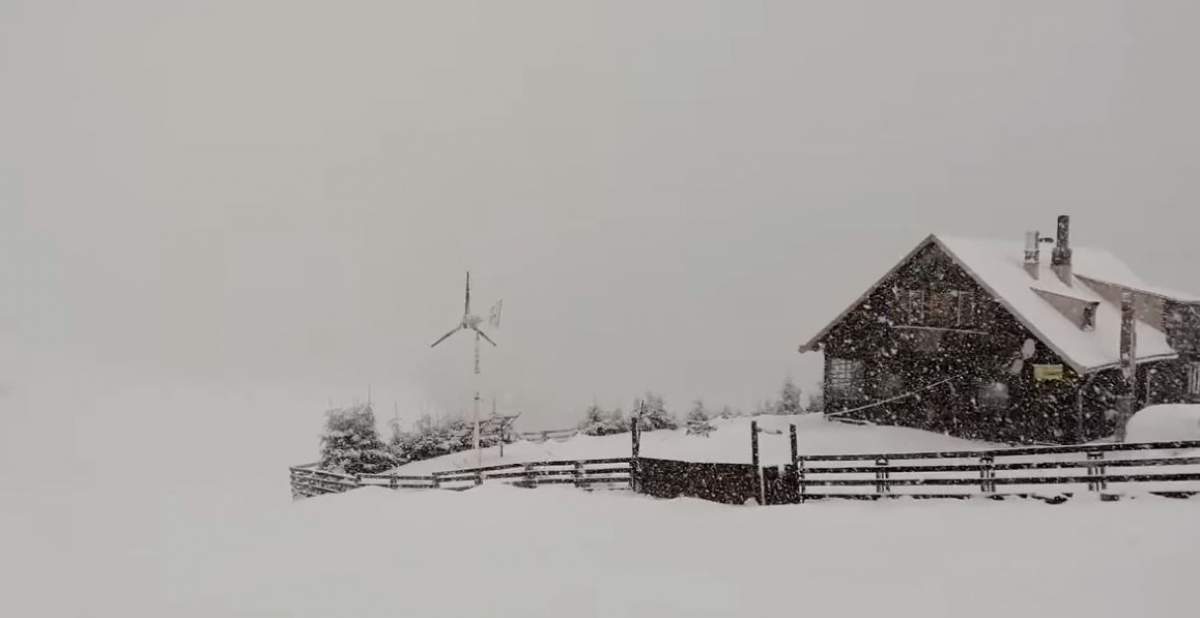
982, 349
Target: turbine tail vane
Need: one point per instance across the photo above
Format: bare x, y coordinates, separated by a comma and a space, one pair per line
494, 314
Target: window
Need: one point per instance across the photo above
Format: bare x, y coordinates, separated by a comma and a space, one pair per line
943, 308
1089, 316
1193, 382
845, 379
992, 396
912, 306
966, 309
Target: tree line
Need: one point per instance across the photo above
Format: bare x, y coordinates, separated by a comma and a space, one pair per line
350, 442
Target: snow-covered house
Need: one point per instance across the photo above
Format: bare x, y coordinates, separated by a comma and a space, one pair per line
987, 339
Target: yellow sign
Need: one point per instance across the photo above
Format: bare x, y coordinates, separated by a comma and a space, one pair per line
1047, 373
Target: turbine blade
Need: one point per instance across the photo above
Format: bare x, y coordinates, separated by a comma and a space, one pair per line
484, 335
443, 338
467, 306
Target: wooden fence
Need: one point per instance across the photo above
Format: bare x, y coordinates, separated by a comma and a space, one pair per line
1053, 473
551, 434
613, 473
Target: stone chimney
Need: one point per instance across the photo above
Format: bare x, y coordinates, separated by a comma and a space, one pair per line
1060, 259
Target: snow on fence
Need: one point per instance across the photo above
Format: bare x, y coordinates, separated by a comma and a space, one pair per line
1054, 473
612, 473
551, 434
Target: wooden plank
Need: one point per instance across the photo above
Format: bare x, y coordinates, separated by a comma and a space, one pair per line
1012, 452
1040, 465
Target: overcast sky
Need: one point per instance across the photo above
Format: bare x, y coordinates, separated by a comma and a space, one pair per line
667, 195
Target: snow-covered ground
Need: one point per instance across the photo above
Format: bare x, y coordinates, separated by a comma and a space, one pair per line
730, 443
559, 552
199, 522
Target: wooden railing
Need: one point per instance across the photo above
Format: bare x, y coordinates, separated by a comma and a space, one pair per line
551, 434
1054, 472
613, 473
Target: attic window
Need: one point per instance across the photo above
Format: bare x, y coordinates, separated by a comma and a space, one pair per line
1089, 317
912, 306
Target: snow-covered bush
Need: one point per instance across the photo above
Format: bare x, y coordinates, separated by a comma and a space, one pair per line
697, 421
433, 439
654, 414
597, 422
350, 443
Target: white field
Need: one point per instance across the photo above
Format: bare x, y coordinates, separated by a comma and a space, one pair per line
173, 501
730, 443
560, 552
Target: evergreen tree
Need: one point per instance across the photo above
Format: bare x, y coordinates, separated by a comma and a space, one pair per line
597, 422
697, 420
351, 444
654, 414
617, 422
789, 399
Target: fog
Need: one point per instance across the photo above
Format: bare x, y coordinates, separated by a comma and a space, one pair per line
261, 198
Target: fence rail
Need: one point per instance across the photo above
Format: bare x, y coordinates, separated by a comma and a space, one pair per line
1051, 472
551, 434
611, 473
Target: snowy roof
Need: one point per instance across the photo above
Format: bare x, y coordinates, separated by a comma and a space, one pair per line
999, 267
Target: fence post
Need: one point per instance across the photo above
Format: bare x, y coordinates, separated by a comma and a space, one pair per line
392, 481
437, 482
762, 499
579, 474
754, 442
881, 476
634, 461
800, 478
1095, 471
795, 446
987, 474
529, 478
478, 477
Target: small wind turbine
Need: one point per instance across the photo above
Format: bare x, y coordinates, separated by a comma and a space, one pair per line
471, 322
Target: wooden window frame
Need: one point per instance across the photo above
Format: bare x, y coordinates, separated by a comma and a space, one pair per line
847, 379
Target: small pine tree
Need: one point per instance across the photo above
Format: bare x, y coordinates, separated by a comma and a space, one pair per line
616, 422
789, 399
697, 420
654, 414
351, 444
595, 421
816, 403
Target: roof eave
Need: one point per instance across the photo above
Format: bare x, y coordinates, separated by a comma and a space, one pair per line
1145, 359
